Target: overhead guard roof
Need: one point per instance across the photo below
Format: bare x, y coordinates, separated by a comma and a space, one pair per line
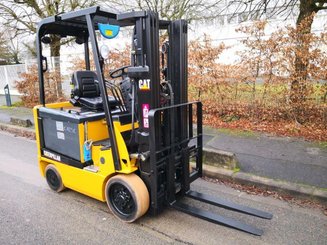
74, 23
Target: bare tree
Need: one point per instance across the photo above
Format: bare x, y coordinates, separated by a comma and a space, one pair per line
9, 48
4, 50
305, 10
30, 49
171, 9
22, 16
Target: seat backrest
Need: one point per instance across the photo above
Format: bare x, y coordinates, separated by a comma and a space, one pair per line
85, 84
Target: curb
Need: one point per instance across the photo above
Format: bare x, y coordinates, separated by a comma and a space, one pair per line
215, 172
284, 187
21, 122
17, 130
219, 158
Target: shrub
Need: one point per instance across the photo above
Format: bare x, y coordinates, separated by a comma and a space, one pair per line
28, 87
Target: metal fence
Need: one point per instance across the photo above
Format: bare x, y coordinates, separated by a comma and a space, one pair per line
9, 74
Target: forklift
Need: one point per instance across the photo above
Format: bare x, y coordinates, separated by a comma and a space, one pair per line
129, 144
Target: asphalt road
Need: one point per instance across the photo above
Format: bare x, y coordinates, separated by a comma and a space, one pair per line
30, 213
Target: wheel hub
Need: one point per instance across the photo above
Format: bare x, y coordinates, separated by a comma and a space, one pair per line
122, 199
52, 178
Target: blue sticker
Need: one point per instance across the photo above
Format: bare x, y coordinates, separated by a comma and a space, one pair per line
87, 151
108, 31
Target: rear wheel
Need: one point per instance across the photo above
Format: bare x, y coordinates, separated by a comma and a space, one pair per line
127, 197
53, 178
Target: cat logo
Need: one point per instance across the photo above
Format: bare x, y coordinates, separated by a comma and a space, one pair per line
51, 155
144, 84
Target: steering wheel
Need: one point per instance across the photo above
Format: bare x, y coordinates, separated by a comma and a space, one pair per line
119, 72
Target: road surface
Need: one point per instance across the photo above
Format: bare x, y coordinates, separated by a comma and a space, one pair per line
30, 213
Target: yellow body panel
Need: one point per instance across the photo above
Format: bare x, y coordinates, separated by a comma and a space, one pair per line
82, 180
97, 130
81, 140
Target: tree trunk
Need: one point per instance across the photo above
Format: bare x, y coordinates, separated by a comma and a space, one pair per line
55, 54
16, 59
303, 26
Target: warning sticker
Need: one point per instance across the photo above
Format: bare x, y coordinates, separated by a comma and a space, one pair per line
60, 126
145, 113
61, 135
146, 122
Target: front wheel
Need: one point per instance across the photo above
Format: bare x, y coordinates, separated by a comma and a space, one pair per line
127, 197
53, 178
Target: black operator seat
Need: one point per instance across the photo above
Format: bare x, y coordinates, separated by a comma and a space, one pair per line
86, 91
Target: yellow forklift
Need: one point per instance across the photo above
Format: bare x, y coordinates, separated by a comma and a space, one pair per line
130, 143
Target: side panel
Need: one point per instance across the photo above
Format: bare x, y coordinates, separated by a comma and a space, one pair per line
38, 138
96, 130
80, 180
62, 137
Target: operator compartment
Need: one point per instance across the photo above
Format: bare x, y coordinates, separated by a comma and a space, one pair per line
70, 128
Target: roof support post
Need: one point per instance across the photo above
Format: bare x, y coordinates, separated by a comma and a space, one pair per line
104, 95
40, 65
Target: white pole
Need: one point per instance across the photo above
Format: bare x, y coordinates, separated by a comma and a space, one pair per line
25, 65
6, 75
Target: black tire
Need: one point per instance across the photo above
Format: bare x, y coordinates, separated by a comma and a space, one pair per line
53, 178
127, 197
